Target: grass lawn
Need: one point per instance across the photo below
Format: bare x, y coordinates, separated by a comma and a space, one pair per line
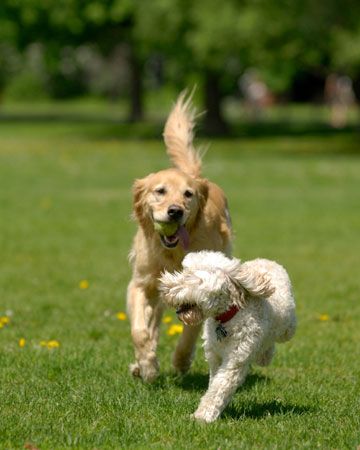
65, 206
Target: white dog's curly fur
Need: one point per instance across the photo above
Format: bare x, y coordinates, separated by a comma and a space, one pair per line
211, 284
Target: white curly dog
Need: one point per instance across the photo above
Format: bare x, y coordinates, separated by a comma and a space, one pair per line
247, 306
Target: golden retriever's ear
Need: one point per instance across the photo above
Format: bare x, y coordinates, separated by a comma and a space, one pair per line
203, 190
141, 212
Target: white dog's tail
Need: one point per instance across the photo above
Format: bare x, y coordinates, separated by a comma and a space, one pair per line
179, 135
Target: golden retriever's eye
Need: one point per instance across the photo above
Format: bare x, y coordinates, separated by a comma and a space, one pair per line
160, 190
188, 194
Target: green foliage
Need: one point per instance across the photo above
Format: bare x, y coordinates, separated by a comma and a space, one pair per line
347, 51
25, 86
280, 39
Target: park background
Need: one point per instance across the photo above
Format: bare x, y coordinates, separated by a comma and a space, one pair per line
85, 87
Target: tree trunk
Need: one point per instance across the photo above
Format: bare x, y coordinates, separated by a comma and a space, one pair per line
136, 112
214, 119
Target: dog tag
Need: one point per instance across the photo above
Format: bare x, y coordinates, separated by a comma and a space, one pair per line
221, 333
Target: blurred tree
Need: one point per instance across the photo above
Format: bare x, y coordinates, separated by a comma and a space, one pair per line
300, 38
288, 41
63, 24
207, 38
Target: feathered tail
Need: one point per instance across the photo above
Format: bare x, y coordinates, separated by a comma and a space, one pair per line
179, 134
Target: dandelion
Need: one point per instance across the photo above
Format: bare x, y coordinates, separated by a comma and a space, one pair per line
324, 317
121, 316
167, 319
84, 284
53, 344
175, 329
22, 342
4, 320
50, 344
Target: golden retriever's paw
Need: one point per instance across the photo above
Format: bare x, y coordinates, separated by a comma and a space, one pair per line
148, 372
134, 369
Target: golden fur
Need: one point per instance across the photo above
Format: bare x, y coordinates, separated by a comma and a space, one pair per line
205, 222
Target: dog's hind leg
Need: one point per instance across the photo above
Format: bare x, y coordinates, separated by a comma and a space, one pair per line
185, 349
145, 319
265, 358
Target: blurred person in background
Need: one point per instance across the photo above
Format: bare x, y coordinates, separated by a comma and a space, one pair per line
256, 94
339, 95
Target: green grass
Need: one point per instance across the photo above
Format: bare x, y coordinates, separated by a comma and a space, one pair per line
65, 216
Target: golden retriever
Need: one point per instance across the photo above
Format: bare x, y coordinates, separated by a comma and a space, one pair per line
195, 211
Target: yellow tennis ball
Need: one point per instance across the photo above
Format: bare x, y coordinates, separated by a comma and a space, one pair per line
166, 228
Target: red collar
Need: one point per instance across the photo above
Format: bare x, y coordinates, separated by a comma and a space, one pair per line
227, 315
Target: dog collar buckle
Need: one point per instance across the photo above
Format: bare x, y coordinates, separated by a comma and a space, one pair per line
221, 332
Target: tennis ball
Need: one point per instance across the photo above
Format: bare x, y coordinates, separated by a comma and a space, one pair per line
166, 228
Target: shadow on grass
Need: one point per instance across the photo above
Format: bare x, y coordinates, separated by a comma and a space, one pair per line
103, 126
236, 410
199, 381
255, 410
293, 128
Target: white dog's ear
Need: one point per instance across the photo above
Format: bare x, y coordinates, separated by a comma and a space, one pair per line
247, 280
255, 283
172, 287
168, 281
236, 293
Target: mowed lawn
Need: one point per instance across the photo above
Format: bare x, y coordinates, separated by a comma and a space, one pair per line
65, 230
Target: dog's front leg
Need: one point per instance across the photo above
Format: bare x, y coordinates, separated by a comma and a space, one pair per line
221, 389
214, 362
185, 349
145, 316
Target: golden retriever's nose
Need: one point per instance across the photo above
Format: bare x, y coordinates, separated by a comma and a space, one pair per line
175, 212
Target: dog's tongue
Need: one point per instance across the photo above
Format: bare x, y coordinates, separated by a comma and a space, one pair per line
184, 237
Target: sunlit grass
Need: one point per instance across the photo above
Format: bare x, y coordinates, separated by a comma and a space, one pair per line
65, 229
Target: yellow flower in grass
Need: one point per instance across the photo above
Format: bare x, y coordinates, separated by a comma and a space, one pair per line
167, 319
84, 284
4, 320
175, 329
50, 344
53, 344
121, 316
324, 317
22, 342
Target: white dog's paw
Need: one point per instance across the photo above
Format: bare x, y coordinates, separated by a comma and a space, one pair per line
206, 416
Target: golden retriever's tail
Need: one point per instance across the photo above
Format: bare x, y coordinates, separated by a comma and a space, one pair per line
179, 134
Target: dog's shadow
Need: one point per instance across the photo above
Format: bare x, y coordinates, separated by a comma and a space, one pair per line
239, 409
259, 411
200, 382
